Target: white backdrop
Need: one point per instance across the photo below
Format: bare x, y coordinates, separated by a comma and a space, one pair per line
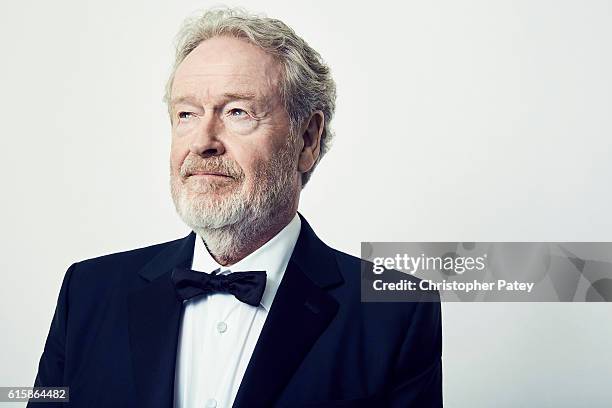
456, 121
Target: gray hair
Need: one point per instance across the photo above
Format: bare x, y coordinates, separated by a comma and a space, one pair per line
306, 85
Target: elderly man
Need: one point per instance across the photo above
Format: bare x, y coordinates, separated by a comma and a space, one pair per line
250, 309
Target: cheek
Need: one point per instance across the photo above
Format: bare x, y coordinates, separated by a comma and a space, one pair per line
250, 158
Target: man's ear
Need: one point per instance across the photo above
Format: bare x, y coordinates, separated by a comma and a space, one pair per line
311, 141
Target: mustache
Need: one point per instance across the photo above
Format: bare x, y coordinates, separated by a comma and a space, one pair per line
215, 164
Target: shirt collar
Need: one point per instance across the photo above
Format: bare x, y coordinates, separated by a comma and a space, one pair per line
272, 257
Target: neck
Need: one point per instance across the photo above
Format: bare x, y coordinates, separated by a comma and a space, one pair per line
232, 243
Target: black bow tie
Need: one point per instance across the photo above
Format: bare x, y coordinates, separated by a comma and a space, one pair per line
248, 287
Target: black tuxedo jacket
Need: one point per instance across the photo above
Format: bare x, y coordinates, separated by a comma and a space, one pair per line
113, 338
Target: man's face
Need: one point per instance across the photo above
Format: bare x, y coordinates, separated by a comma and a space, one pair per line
232, 158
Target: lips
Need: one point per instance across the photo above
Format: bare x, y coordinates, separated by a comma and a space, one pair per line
208, 173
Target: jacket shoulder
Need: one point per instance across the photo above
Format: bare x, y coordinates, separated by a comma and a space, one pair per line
116, 269
131, 256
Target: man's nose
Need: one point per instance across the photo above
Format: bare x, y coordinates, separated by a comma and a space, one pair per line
205, 141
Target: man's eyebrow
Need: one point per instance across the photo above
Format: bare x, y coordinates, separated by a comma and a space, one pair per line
226, 96
239, 95
181, 99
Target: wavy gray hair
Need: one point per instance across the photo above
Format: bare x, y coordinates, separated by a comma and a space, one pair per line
306, 86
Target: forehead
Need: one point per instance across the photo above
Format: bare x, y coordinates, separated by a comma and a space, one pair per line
223, 65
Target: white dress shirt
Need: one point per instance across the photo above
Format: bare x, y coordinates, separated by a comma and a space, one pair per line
218, 332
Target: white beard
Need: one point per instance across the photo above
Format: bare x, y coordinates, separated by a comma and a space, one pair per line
230, 222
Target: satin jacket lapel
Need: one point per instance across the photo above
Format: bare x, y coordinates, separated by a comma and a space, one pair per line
154, 314
299, 314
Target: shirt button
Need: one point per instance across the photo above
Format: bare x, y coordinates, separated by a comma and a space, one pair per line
211, 403
221, 327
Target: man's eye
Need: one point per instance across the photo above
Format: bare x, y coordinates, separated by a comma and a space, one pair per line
237, 112
184, 115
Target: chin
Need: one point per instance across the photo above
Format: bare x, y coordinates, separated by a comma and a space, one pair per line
209, 210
